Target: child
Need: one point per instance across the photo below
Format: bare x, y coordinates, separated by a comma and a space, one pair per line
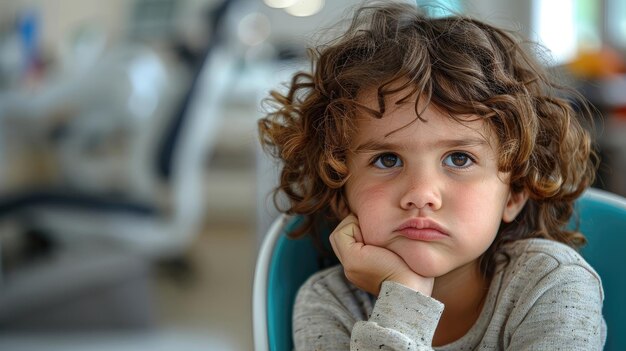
451, 163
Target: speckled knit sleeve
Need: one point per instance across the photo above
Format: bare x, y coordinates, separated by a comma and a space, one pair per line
403, 319
327, 307
332, 314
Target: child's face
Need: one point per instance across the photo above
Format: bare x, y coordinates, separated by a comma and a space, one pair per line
429, 191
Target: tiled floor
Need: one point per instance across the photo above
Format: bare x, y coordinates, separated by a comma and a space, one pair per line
217, 299
209, 308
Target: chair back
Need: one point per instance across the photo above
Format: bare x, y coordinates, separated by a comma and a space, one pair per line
602, 219
282, 267
284, 264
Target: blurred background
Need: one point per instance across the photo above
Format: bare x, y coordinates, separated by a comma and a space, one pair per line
133, 193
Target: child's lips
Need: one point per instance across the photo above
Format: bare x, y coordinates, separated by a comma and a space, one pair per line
422, 229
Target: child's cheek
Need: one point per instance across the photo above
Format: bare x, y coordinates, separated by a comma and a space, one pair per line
370, 205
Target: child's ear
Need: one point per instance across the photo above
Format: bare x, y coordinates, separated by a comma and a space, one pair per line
514, 204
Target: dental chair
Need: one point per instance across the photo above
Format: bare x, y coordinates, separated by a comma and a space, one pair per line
110, 219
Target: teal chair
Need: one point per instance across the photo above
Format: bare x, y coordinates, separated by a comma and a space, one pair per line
284, 264
602, 218
282, 267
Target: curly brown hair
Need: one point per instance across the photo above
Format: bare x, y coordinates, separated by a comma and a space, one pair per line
462, 66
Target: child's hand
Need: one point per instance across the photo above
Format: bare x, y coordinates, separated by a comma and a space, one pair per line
368, 266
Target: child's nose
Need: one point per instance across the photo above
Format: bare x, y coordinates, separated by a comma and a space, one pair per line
422, 192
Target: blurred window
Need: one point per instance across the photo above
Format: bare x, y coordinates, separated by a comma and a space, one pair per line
566, 27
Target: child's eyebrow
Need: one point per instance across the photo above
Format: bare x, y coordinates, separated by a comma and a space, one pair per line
373, 145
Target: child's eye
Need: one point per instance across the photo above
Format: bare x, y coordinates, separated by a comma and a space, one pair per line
387, 160
458, 160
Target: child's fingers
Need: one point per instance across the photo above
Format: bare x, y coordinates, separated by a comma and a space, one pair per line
344, 237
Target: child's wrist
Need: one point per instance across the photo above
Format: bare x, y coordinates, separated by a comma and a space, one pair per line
414, 282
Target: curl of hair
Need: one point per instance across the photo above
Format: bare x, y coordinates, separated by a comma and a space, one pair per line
464, 67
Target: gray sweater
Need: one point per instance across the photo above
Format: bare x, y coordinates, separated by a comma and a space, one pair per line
546, 298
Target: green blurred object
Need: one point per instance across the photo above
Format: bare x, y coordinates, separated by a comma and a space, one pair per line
440, 8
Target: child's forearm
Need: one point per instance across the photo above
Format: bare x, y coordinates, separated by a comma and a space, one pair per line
402, 319
331, 314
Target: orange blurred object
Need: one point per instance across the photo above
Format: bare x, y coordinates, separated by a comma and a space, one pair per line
601, 63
